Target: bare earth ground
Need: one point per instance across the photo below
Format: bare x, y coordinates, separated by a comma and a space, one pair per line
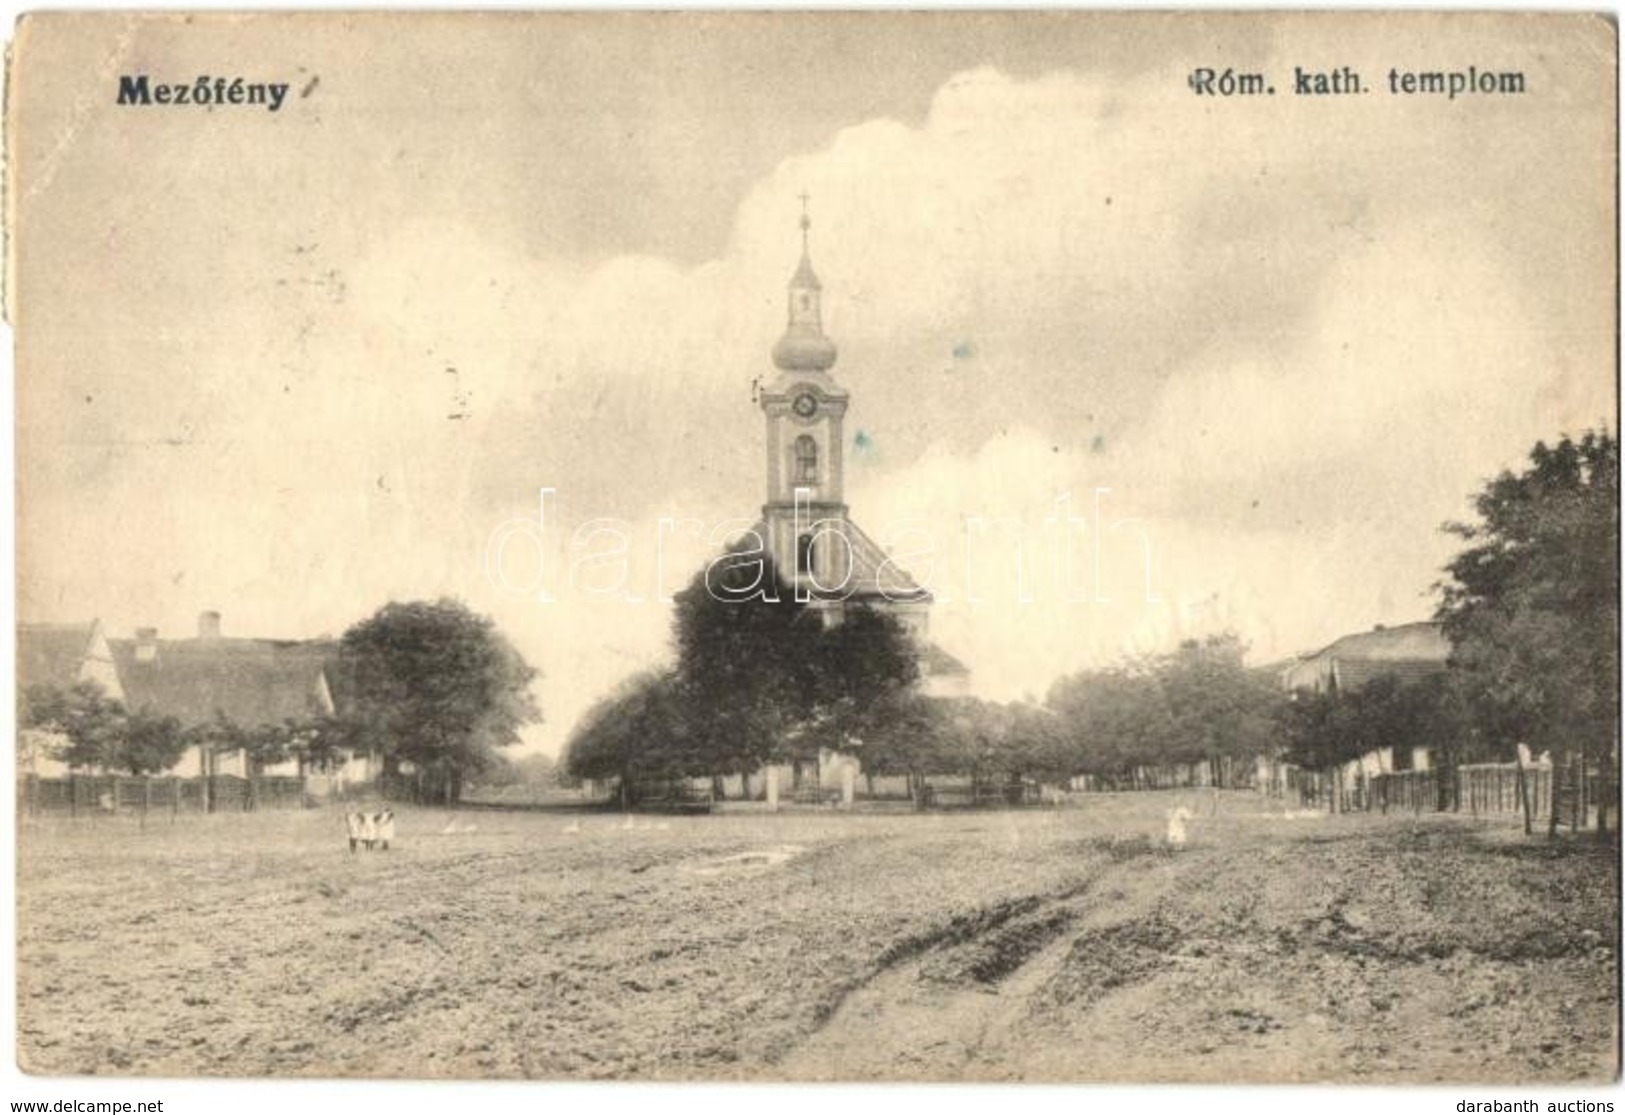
1058, 945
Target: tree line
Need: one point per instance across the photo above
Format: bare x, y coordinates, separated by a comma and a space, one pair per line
431, 687
1529, 604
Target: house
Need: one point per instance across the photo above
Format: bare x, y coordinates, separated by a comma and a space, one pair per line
60, 655
250, 682
1408, 652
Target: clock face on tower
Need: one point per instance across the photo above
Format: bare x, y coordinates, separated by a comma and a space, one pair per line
805, 405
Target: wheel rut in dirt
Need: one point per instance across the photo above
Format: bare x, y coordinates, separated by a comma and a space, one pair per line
945, 1002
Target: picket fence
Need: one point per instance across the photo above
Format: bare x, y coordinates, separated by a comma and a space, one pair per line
1474, 789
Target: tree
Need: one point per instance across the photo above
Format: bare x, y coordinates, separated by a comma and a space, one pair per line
151, 744
1199, 703
529, 776
1035, 744
858, 669
1320, 730
639, 734
437, 686
262, 745
912, 739
93, 722
320, 742
1312, 731
1531, 604
918, 736
266, 745
1114, 719
213, 737
100, 731
1219, 711
765, 679
738, 640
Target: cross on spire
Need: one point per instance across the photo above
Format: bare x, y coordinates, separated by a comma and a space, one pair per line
804, 346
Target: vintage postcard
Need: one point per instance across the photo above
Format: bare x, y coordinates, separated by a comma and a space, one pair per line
777, 547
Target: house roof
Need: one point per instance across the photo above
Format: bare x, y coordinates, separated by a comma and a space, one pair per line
250, 681
1410, 651
52, 653
1353, 673
1423, 641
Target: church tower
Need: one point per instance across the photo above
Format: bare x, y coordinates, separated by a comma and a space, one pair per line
820, 553
805, 515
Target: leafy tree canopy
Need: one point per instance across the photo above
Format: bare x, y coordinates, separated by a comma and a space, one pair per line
101, 732
1197, 703
1531, 604
436, 685
1318, 730
641, 731
761, 675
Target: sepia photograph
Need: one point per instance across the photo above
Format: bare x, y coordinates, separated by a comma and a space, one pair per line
805, 548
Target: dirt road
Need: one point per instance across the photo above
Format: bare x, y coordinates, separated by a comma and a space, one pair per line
1059, 945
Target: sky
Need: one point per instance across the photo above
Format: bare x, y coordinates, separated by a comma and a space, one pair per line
1128, 365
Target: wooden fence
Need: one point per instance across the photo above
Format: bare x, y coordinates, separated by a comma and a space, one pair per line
1474, 788
1405, 791
1477, 789
106, 795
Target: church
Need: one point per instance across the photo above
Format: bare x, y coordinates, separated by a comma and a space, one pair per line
806, 526
821, 554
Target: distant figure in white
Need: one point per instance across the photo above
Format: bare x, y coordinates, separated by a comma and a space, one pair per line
383, 828
1176, 826
370, 830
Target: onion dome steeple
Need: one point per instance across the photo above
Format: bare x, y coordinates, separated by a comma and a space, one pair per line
804, 348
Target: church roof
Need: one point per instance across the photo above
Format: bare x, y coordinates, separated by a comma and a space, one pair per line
804, 348
805, 277
874, 575
939, 663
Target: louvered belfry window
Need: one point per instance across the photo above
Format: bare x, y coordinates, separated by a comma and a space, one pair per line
806, 460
